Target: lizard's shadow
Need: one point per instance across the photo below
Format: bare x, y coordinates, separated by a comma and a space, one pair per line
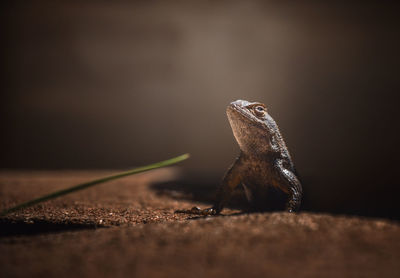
204, 191
198, 191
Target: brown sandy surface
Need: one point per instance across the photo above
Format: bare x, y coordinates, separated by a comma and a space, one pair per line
125, 228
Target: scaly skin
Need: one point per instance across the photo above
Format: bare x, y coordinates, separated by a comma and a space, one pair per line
264, 166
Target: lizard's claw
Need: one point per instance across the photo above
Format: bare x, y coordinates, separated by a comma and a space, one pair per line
199, 211
207, 211
291, 208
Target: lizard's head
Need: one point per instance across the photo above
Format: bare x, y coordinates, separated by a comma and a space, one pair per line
253, 128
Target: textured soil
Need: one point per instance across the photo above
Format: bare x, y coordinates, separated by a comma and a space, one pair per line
127, 228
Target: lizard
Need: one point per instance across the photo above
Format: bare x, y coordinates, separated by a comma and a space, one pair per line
264, 166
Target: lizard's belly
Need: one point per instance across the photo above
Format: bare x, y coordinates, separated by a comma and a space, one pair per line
259, 175
262, 187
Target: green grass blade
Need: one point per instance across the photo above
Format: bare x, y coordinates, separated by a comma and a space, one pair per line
94, 182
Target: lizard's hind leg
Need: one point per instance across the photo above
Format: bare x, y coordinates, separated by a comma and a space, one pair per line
248, 193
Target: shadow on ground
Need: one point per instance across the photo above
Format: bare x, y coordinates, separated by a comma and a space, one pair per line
203, 191
198, 191
9, 227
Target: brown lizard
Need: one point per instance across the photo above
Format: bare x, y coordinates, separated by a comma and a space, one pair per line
264, 166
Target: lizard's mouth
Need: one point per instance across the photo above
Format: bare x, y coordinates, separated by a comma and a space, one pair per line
236, 110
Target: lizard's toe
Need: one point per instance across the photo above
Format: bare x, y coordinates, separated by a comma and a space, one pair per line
198, 211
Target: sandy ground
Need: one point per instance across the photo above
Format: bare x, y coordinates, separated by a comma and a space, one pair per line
126, 228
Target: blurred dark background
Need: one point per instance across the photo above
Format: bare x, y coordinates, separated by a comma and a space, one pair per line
100, 84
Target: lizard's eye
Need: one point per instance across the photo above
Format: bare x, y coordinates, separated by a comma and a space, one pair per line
259, 110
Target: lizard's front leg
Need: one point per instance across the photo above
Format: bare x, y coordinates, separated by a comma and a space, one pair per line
229, 183
293, 187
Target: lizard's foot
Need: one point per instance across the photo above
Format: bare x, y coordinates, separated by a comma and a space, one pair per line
199, 211
293, 205
291, 209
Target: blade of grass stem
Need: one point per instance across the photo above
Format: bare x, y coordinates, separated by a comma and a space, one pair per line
85, 185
